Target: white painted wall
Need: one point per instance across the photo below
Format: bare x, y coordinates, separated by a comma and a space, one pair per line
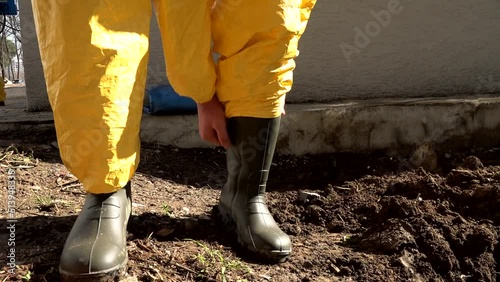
427, 48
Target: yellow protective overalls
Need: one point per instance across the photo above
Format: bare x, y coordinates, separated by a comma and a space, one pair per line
3, 95
95, 56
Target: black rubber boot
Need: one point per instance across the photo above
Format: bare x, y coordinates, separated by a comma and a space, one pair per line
96, 246
242, 203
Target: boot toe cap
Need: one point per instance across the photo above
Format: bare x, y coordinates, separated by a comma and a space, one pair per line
88, 260
276, 242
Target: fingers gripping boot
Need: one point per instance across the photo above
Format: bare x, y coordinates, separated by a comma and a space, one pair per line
242, 203
96, 246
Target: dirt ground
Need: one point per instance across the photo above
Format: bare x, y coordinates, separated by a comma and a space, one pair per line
377, 218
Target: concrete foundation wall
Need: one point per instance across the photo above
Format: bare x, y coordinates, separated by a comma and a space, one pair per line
392, 125
365, 49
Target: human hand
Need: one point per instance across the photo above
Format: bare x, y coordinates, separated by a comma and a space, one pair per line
212, 123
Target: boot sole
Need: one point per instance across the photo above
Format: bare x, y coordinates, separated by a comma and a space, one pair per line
111, 275
272, 257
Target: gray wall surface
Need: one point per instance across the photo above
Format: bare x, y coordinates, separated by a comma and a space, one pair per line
36, 90
370, 49
427, 48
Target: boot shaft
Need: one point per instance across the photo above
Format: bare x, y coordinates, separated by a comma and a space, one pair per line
249, 159
243, 203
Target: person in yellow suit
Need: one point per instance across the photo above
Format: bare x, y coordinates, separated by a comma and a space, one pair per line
95, 56
3, 95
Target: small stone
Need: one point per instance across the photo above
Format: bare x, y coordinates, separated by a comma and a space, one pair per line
165, 232
404, 262
305, 197
185, 210
335, 268
447, 155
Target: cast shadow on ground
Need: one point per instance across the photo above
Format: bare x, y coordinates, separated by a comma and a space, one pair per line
199, 228
207, 228
38, 243
40, 239
149, 225
207, 167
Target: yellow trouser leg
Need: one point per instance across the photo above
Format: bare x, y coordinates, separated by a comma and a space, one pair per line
94, 55
3, 95
258, 41
186, 33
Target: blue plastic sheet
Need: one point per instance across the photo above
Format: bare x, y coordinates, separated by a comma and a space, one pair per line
163, 100
8, 7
